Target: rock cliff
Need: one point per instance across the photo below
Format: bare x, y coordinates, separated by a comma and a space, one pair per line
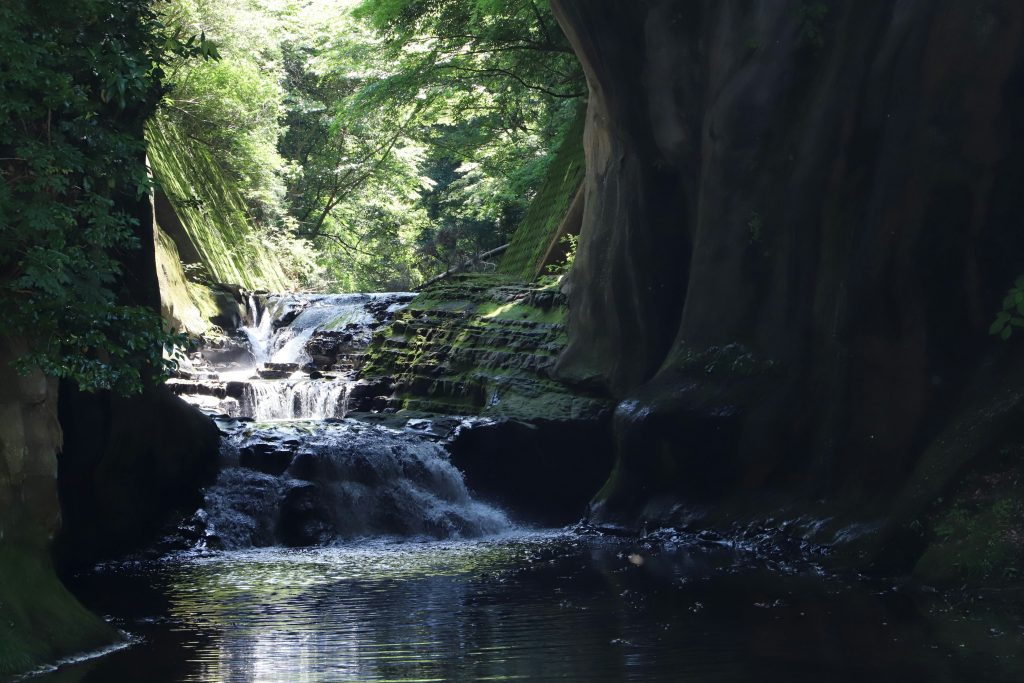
40, 621
800, 221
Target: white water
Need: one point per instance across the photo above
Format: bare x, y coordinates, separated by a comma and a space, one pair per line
303, 399
345, 480
318, 312
279, 328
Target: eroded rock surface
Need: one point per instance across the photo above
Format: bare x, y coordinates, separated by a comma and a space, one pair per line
828, 190
479, 345
40, 621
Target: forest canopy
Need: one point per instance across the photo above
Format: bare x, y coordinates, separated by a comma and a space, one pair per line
383, 141
376, 143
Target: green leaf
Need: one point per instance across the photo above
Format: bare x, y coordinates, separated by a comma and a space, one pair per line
1005, 334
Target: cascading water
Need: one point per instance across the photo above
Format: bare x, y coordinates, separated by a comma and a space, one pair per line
300, 356
280, 329
293, 471
302, 485
259, 331
302, 399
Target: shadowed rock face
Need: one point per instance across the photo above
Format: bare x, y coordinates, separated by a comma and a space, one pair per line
39, 619
800, 220
129, 464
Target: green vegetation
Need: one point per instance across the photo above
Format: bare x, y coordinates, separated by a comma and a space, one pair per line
571, 244
1012, 313
479, 343
545, 214
230, 246
978, 535
332, 145
77, 81
378, 143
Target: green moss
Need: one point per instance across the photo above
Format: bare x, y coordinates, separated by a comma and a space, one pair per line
537, 231
479, 344
211, 211
975, 545
40, 621
514, 310
188, 306
978, 535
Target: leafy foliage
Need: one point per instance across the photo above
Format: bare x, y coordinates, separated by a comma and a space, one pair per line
571, 242
233, 105
1012, 314
77, 80
397, 138
499, 86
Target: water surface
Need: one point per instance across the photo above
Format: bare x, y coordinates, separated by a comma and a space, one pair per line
530, 606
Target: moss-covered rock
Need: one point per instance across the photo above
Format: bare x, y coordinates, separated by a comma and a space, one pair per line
39, 620
202, 211
478, 344
188, 306
533, 241
976, 534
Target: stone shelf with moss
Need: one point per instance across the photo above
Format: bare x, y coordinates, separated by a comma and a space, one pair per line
479, 344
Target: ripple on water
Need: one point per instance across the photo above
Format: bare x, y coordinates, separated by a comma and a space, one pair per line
525, 606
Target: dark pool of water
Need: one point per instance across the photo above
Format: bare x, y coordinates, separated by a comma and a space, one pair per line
532, 607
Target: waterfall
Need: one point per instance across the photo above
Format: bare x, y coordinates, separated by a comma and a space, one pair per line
334, 482
293, 358
326, 478
304, 399
259, 331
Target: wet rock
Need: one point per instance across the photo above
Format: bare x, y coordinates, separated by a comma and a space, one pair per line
288, 317
304, 519
197, 387
476, 344
270, 458
277, 370
547, 470
227, 350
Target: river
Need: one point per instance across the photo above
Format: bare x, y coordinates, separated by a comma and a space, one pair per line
330, 549
529, 605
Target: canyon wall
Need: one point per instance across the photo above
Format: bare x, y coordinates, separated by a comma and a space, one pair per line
40, 621
800, 222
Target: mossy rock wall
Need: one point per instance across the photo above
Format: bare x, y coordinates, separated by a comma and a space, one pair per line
201, 209
532, 239
40, 621
188, 306
478, 344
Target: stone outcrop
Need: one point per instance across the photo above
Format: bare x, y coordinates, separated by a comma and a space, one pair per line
128, 464
485, 346
800, 220
40, 621
478, 345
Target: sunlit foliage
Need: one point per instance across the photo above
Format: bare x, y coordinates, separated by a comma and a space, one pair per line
399, 138
78, 78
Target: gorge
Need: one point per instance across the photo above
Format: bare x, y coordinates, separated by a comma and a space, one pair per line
737, 396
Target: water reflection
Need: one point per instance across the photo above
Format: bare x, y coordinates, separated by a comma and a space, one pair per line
535, 607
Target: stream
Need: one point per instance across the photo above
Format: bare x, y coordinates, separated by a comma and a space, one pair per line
335, 549
528, 605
